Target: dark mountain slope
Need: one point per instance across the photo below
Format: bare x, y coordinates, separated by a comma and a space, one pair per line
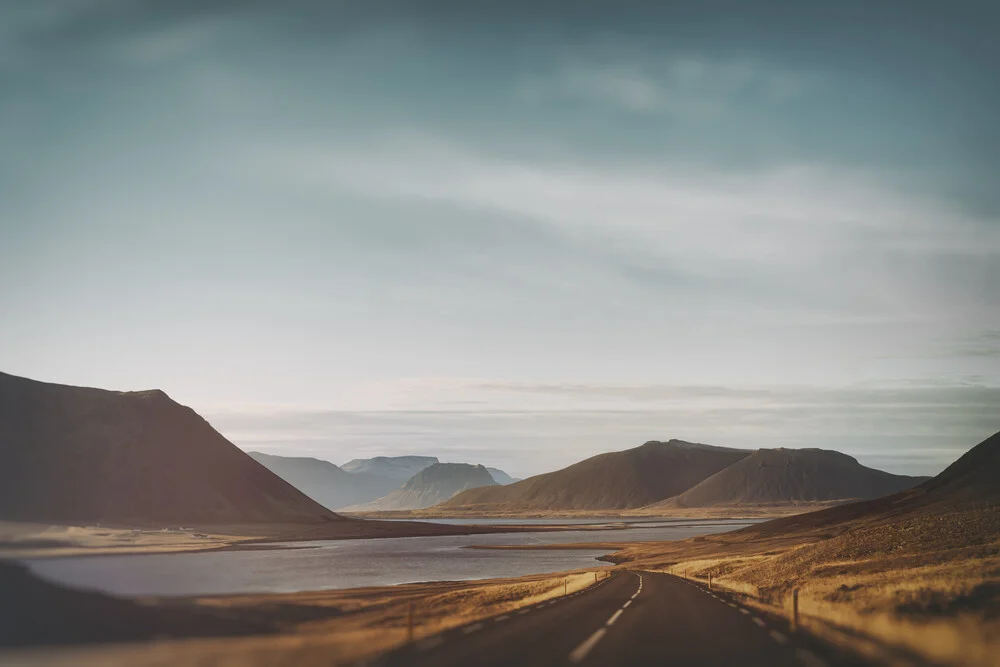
75, 454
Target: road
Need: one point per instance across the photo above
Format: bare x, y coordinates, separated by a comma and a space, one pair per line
632, 618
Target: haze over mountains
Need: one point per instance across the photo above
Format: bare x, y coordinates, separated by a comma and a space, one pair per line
431, 486
360, 482
326, 483
77, 454
399, 468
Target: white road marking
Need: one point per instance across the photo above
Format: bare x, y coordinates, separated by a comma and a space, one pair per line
581, 651
614, 617
430, 643
524, 611
809, 658
501, 618
759, 621
733, 605
744, 611
627, 603
778, 637
469, 629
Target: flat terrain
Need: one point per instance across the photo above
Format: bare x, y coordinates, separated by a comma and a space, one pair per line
740, 511
39, 540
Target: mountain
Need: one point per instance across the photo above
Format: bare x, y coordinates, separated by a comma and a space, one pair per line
782, 476
431, 486
399, 468
501, 478
76, 454
616, 480
968, 484
325, 482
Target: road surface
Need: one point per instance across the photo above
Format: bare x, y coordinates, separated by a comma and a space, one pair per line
630, 619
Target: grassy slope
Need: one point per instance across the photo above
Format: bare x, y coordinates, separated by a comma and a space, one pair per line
919, 569
310, 628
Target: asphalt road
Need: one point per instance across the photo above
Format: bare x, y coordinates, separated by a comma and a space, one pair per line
630, 619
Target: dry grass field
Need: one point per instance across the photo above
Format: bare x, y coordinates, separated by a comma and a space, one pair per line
925, 587
316, 628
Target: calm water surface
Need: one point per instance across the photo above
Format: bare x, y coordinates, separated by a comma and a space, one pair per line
351, 563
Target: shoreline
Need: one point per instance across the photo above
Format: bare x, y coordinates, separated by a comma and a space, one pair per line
66, 626
28, 541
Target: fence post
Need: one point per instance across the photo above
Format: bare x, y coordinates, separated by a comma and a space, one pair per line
565, 583
709, 581
595, 577
795, 610
409, 622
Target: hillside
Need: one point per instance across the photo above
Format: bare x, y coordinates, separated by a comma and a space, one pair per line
782, 476
431, 486
616, 480
894, 571
325, 482
399, 468
501, 478
75, 454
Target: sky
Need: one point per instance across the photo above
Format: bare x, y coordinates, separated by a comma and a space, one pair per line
518, 233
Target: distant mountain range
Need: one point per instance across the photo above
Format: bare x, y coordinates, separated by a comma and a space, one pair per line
76, 454
431, 486
616, 480
369, 484
326, 483
399, 468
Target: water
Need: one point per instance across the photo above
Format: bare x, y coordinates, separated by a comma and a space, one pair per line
298, 566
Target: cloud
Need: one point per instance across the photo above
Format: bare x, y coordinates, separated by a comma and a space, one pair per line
838, 244
689, 87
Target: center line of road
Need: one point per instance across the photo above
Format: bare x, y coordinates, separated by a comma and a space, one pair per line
758, 621
501, 618
778, 637
524, 611
744, 611
581, 651
472, 628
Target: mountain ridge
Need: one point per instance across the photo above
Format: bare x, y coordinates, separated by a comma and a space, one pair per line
82, 454
625, 479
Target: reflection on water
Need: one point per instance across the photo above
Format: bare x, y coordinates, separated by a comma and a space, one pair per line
349, 563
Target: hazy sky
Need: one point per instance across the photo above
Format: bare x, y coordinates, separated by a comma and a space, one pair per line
513, 233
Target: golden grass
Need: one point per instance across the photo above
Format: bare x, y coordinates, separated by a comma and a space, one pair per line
926, 586
32, 540
373, 620
487, 512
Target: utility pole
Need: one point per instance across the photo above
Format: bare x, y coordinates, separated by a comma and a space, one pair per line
795, 610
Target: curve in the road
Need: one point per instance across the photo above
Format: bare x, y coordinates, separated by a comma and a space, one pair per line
634, 618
